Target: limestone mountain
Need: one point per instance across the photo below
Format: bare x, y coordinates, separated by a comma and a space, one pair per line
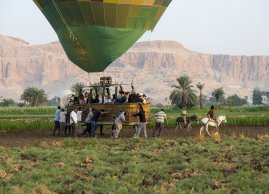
153, 66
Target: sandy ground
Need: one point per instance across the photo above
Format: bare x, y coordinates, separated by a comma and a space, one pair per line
29, 138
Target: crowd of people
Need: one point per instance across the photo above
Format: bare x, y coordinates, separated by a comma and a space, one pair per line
72, 122
68, 122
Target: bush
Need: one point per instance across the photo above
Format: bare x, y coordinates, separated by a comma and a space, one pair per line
7, 102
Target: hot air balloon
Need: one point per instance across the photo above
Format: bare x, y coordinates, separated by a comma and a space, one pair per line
94, 33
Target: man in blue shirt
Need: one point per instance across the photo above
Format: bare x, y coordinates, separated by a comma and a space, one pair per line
95, 118
57, 121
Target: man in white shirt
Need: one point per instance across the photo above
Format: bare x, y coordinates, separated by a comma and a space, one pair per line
62, 121
107, 99
56, 121
79, 114
159, 118
74, 121
118, 124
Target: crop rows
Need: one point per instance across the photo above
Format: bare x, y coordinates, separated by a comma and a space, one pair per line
137, 166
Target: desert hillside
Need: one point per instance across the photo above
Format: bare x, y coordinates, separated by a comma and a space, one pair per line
153, 66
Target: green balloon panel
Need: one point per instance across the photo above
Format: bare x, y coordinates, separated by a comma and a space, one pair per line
100, 46
94, 33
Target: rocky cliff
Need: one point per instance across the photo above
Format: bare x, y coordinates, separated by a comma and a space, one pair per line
153, 66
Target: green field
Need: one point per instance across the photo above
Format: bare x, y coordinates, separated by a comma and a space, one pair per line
234, 165
49, 110
192, 164
18, 112
41, 118
25, 124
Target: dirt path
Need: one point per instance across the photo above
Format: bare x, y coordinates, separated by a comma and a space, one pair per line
29, 138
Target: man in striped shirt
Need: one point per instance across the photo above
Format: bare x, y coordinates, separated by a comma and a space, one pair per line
159, 118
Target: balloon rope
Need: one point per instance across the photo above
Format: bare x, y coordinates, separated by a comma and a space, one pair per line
72, 35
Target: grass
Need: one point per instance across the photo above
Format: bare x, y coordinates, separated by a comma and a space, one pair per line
44, 110
137, 166
18, 125
248, 121
172, 111
242, 109
26, 116
258, 111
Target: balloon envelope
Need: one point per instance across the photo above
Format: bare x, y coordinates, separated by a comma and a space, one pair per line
94, 33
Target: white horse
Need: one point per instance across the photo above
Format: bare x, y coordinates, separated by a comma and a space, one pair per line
211, 123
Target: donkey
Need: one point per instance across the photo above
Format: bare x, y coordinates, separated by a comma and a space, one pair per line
189, 121
206, 122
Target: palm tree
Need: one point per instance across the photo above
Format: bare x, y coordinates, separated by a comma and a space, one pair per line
218, 94
183, 95
78, 88
200, 87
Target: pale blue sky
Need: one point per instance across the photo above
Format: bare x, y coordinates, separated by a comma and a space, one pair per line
239, 27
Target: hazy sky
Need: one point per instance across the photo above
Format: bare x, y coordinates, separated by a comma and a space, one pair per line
239, 27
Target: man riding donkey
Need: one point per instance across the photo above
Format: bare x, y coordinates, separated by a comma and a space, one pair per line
212, 121
212, 116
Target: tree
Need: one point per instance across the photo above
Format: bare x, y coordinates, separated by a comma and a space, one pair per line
230, 103
8, 102
34, 96
257, 97
200, 87
54, 101
183, 95
218, 94
77, 88
236, 100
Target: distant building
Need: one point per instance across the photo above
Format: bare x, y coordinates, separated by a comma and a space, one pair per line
265, 99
